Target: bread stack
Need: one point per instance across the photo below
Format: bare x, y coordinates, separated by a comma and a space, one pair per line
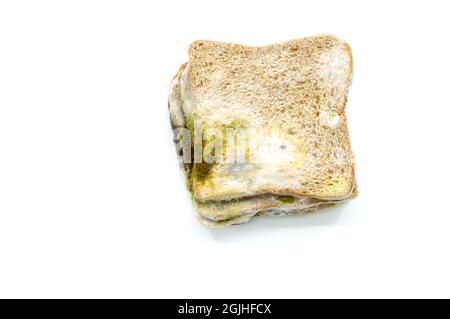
262, 130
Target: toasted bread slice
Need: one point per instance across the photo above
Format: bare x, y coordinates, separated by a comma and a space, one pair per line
297, 89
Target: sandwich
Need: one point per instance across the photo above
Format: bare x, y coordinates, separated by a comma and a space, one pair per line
262, 130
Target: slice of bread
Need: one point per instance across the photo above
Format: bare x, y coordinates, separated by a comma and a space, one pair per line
297, 89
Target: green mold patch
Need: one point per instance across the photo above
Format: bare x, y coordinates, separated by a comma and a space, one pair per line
202, 171
286, 199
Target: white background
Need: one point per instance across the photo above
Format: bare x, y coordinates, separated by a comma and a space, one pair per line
92, 203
